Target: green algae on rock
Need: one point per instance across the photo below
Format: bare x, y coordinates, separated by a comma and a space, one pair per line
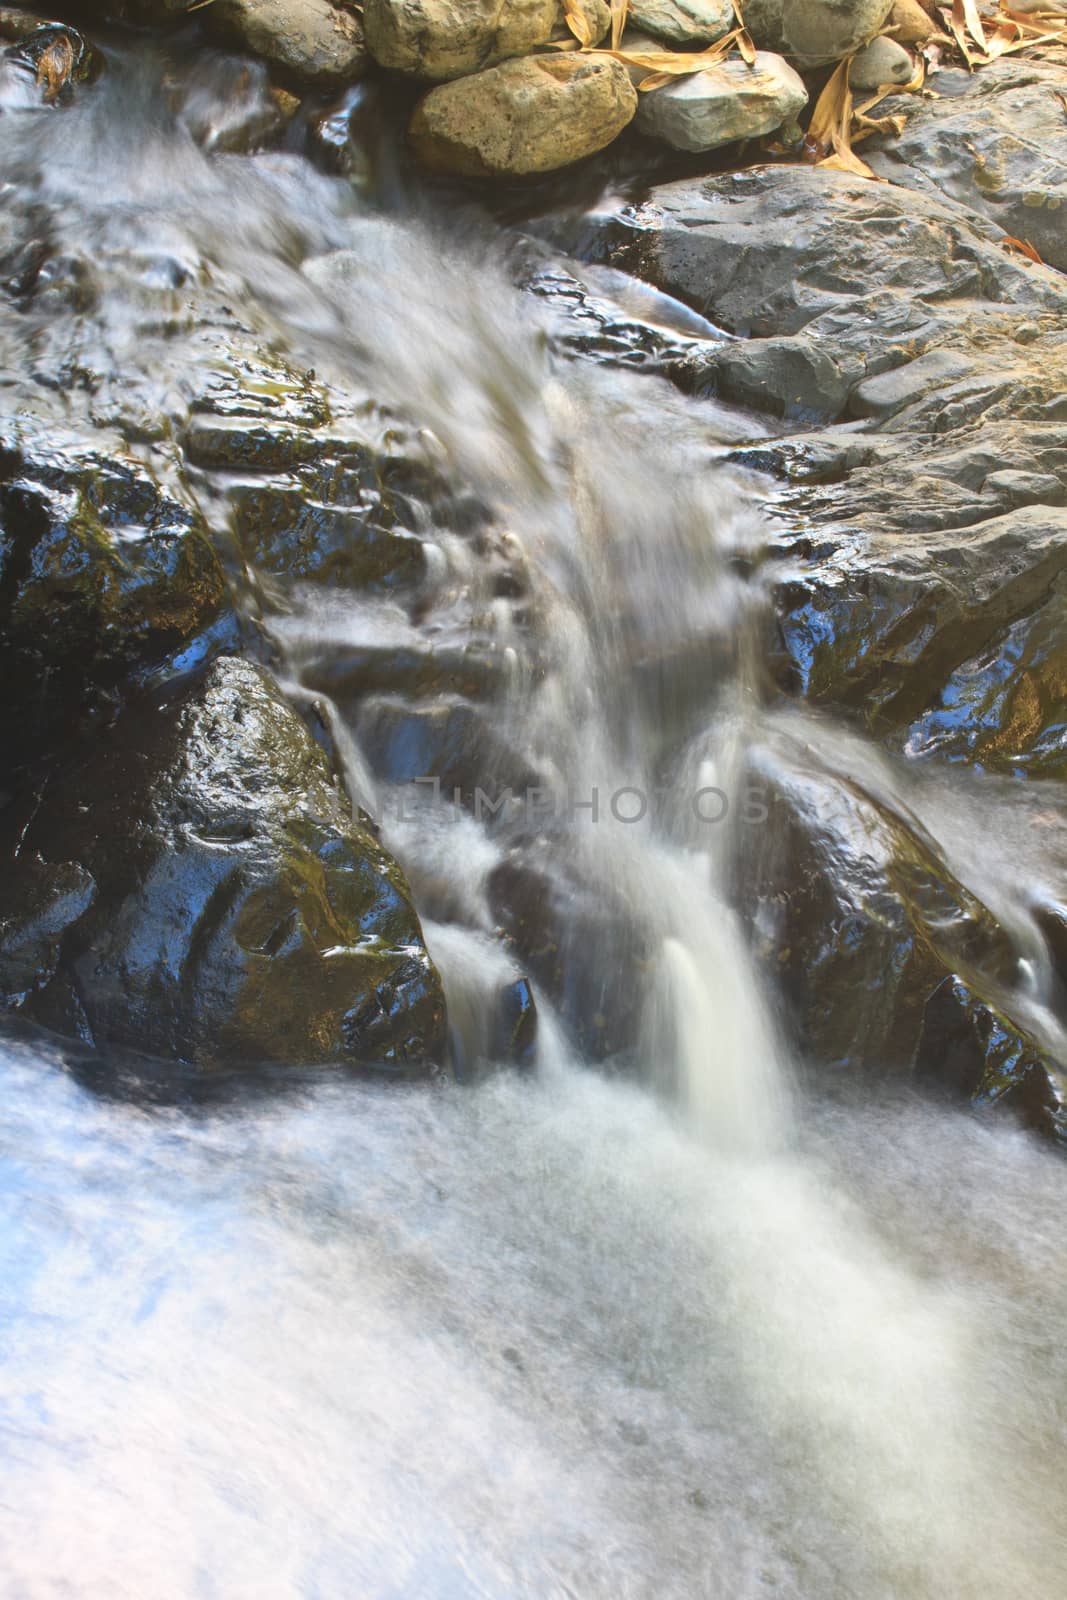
238, 913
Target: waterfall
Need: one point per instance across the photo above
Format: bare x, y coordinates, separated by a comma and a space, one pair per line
636, 1315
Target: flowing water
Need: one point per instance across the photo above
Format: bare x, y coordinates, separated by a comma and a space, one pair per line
691, 1328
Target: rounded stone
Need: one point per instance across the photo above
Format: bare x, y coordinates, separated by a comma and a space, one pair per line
725, 103
526, 116
882, 61
814, 32
444, 39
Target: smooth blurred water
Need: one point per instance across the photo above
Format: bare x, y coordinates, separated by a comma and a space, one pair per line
527, 1339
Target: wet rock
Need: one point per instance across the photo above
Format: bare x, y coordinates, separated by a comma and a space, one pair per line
888, 621
728, 102
680, 22
978, 1054
229, 104
444, 39
814, 32
523, 117
104, 579
42, 902
803, 264
516, 1024
580, 941
311, 41
239, 914
285, 532
882, 61
454, 744
850, 896
1004, 709
997, 145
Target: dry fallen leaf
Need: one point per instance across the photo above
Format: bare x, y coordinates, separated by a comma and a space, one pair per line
745, 46
1023, 247
828, 142
578, 22
54, 67
619, 9
663, 65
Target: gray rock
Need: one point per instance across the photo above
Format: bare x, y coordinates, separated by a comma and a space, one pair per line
771, 250
444, 39
882, 61
683, 21
312, 41
999, 146
727, 102
214, 901
525, 116
813, 32
891, 391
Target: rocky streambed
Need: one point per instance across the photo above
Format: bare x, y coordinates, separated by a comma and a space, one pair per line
271, 505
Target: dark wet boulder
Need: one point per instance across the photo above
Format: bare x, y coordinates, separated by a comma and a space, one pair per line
899, 623
1004, 708
974, 1052
213, 899
105, 578
864, 929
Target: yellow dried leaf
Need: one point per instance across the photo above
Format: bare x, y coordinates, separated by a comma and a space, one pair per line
745, 46
578, 22
674, 63
828, 128
957, 26
974, 23
54, 67
847, 161
619, 10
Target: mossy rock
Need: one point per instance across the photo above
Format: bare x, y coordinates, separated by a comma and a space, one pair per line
239, 913
104, 578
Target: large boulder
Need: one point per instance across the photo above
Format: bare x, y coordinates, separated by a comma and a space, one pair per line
443, 39
802, 263
813, 32
523, 117
727, 102
681, 22
199, 890
311, 41
995, 141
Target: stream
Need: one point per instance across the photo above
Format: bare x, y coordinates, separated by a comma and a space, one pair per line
666, 1316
